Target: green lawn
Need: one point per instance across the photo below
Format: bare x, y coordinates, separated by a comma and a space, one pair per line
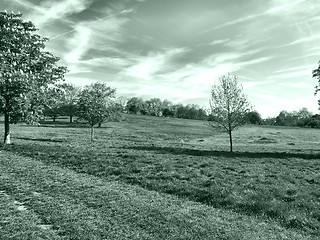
158, 178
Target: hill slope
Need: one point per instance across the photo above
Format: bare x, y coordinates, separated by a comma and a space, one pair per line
55, 185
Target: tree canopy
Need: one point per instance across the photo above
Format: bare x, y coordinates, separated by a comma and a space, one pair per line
97, 104
26, 69
229, 105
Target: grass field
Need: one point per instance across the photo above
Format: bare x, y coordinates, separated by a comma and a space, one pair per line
159, 178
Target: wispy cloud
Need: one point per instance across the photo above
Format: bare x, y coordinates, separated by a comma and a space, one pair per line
53, 10
292, 69
147, 66
308, 39
79, 43
220, 41
291, 75
97, 35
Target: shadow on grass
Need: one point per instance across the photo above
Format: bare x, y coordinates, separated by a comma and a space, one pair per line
216, 153
64, 125
218, 195
59, 124
41, 139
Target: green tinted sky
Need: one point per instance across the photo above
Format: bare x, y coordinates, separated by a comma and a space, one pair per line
176, 49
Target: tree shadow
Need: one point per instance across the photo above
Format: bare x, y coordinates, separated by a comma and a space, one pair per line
218, 153
41, 139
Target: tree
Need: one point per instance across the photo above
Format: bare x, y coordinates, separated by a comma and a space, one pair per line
69, 100
54, 98
253, 117
316, 74
97, 104
180, 111
134, 105
229, 105
202, 114
26, 69
167, 112
154, 107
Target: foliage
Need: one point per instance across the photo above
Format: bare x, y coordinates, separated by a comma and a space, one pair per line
26, 70
268, 121
316, 74
134, 105
154, 107
253, 117
165, 108
97, 104
70, 99
229, 105
54, 98
294, 118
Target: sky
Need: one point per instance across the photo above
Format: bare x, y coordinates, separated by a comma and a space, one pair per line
178, 49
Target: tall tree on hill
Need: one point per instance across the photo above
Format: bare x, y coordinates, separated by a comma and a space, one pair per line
229, 105
97, 104
25, 68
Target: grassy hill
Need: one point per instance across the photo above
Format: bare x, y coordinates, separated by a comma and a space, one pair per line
159, 178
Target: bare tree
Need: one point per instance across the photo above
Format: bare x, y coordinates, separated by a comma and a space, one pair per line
229, 105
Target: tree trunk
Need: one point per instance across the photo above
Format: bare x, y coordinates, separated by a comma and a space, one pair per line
54, 118
99, 125
91, 134
7, 128
230, 138
71, 118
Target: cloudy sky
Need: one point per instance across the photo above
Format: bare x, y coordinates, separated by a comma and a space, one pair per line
177, 49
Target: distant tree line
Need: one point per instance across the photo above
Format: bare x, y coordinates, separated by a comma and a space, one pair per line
301, 118
157, 107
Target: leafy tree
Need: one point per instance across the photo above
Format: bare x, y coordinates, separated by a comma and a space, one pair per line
304, 113
167, 104
202, 114
167, 112
154, 107
191, 111
269, 121
253, 117
69, 101
97, 104
316, 74
294, 118
229, 105
122, 102
53, 102
26, 69
134, 105
313, 121
180, 111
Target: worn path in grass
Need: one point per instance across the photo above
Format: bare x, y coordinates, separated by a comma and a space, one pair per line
48, 202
